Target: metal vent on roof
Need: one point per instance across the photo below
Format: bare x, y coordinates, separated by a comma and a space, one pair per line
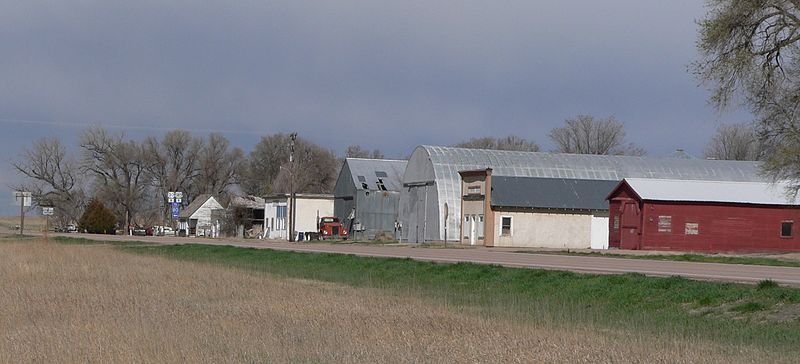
381, 174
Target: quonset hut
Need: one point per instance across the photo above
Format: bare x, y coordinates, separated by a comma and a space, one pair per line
367, 194
432, 184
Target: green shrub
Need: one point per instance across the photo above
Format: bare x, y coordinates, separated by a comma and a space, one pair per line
766, 284
98, 219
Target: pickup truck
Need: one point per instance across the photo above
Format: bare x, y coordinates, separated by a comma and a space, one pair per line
331, 228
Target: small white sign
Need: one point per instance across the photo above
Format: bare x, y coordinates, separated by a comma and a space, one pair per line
170, 195
21, 196
47, 211
179, 195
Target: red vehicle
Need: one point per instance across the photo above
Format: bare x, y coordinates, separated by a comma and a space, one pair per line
331, 228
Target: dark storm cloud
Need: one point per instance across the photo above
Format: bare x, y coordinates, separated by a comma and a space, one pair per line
387, 75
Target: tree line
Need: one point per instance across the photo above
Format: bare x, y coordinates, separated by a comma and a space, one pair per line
132, 177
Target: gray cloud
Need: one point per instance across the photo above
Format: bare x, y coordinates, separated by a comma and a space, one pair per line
387, 75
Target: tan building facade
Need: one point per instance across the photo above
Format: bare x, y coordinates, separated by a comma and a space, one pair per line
503, 212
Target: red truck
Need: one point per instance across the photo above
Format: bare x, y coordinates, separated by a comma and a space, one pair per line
331, 228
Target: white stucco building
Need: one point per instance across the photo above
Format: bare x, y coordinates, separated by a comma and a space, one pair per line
310, 207
533, 212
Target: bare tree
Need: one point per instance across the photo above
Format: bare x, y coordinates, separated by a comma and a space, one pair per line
356, 151
316, 167
219, 167
119, 168
586, 134
264, 163
508, 143
750, 51
173, 164
53, 178
734, 142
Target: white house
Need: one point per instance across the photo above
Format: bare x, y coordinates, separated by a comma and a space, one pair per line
195, 219
310, 207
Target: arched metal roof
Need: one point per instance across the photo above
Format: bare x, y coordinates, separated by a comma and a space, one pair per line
440, 166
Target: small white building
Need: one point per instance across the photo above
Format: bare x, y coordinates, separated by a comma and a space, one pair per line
562, 213
195, 219
310, 208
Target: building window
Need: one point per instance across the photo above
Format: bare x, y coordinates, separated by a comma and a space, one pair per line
505, 226
786, 229
474, 190
466, 227
616, 222
381, 186
480, 226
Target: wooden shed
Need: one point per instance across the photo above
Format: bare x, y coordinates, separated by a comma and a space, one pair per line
709, 216
196, 219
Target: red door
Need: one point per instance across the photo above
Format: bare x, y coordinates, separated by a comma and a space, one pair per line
615, 212
630, 225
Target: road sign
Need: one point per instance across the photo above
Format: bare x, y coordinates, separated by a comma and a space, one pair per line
176, 210
47, 211
21, 196
174, 196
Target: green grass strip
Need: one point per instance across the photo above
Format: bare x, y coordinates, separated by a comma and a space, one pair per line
698, 258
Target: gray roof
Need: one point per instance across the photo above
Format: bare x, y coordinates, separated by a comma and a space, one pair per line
448, 161
711, 191
249, 201
365, 173
550, 193
196, 204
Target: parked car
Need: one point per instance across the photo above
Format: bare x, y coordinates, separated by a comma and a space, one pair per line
69, 228
140, 231
167, 231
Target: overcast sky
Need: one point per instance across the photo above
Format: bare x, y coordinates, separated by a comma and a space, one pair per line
383, 75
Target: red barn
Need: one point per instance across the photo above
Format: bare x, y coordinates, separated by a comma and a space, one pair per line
710, 216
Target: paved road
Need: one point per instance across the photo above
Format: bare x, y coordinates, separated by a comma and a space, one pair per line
581, 264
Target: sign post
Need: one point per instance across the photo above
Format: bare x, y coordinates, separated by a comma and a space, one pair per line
47, 212
24, 200
174, 198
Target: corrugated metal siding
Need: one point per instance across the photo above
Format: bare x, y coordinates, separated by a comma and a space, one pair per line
440, 166
376, 209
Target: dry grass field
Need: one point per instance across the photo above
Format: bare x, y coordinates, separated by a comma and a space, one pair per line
76, 303
32, 223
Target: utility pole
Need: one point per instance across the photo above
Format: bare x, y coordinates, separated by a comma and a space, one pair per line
21, 213
292, 196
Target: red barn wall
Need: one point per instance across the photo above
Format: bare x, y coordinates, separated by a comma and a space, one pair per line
719, 227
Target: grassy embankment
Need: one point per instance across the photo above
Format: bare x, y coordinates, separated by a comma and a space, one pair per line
689, 257
764, 315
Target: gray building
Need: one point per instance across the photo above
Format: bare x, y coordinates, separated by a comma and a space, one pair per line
432, 192
367, 194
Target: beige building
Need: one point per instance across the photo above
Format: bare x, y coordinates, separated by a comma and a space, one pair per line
533, 212
310, 208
